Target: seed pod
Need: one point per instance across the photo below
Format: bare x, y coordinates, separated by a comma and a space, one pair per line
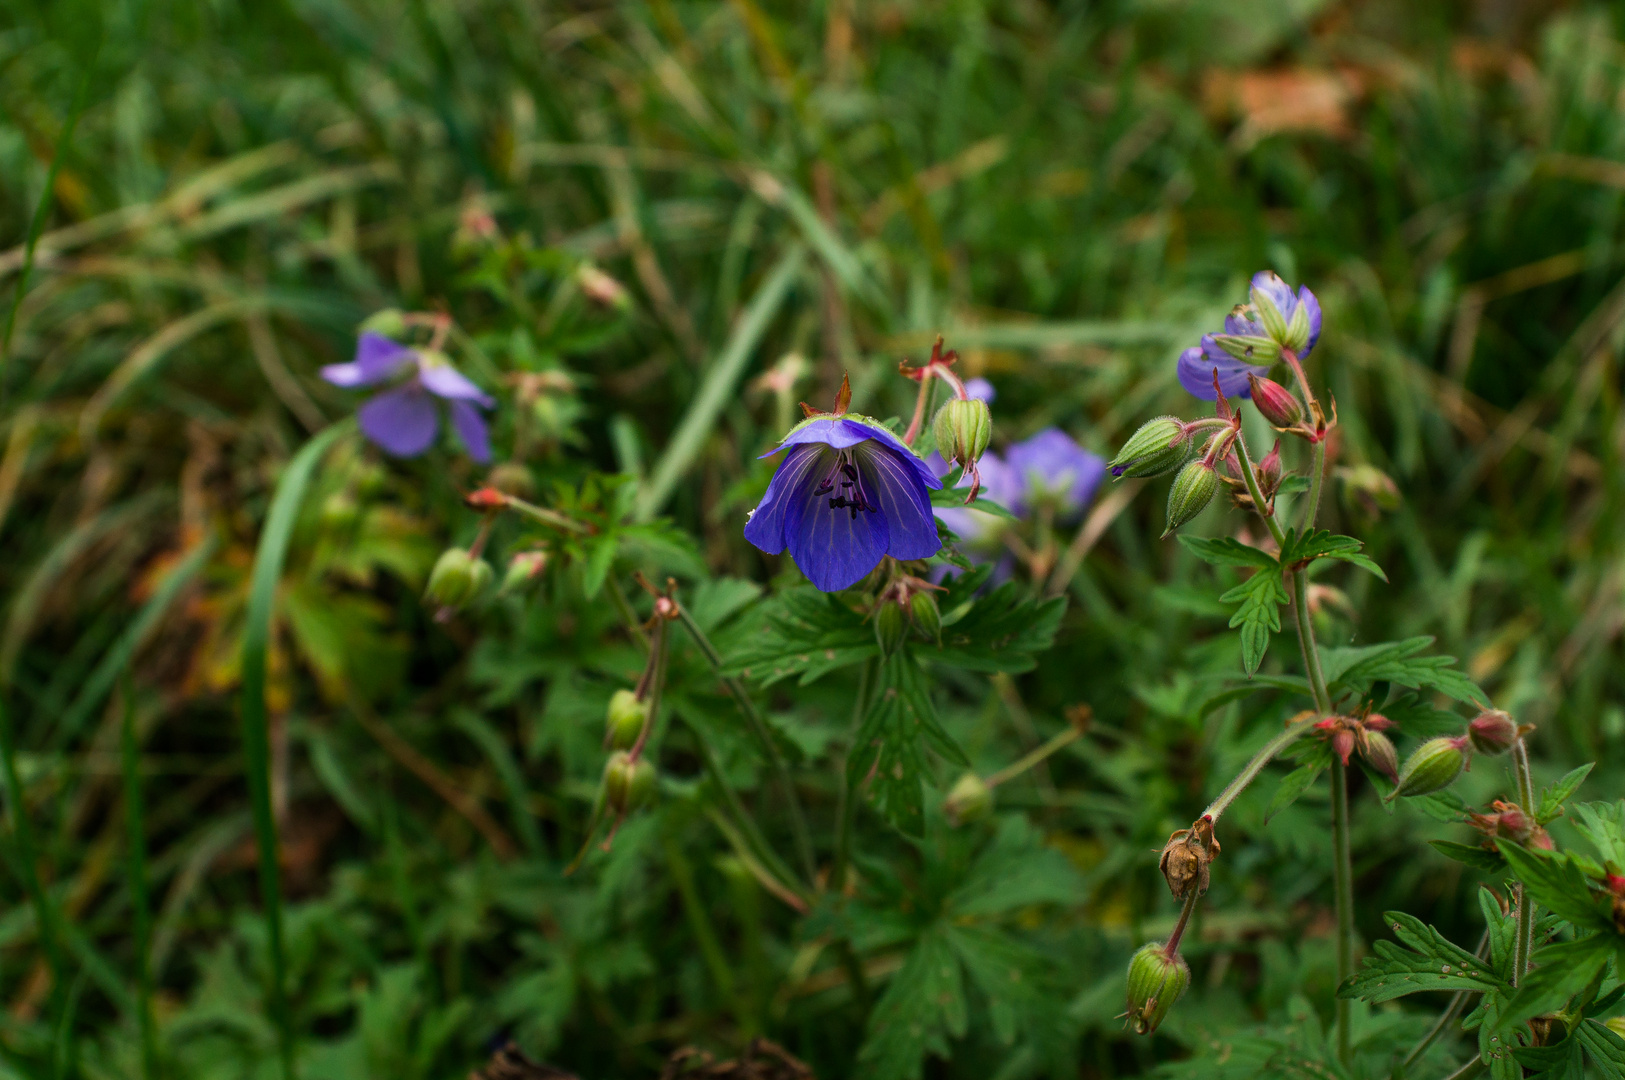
1434, 765
922, 608
1155, 981
891, 627
624, 720
1158, 447
1187, 859
457, 578
1378, 751
963, 429
1492, 732
627, 784
1275, 402
970, 799
1190, 493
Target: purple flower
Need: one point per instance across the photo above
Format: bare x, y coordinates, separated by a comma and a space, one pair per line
848, 493
1198, 363
980, 389
403, 419
1050, 465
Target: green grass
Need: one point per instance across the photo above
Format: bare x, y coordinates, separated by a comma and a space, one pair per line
1068, 191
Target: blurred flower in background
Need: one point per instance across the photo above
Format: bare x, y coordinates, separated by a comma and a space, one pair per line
403, 420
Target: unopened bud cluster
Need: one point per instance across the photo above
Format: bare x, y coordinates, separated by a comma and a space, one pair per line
906, 606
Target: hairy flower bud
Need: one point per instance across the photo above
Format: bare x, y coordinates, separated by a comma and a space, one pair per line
1275, 402
922, 608
1158, 447
627, 784
523, 569
1434, 765
963, 429
1492, 732
1190, 493
458, 578
1378, 751
624, 720
970, 799
1155, 981
891, 627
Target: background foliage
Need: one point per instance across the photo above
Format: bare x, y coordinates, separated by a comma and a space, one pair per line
1068, 191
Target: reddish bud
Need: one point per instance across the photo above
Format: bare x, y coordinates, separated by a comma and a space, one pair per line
1278, 405
1378, 751
1492, 732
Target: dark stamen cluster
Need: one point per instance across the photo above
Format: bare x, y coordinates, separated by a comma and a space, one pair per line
850, 495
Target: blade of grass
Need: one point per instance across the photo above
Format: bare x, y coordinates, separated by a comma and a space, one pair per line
719, 382
37, 224
134, 817
22, 836
268, 560
101, 679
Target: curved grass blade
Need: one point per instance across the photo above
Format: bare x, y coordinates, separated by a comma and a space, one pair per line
135, 819
273, 549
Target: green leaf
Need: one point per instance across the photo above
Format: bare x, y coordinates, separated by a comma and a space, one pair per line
1562, 1061
1478, 858
1000, 631
1322, 544
953, 498
1399, 663
888, 755
1558, 884
1502, 927
924, 1002
800, 632
1429, 962
1604, 825
1605, 1049
1223, 551
1560, 971
1018, 870
1294, 784
1553, 798
1258, 616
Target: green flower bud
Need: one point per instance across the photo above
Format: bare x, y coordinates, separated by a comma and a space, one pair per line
1157, 448
340, 511
1155, 981
390, 322
523, 569
1434, 765
963, 429
624, 721
922, 608
1492, 732
970, 799
890, 627
458, 578
1192, 490
627, 784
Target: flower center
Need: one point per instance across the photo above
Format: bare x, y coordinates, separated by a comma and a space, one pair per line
846, 482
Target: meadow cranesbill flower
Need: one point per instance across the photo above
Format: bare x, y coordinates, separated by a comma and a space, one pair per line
1050, 466
847, 494
404, 419
1247, 346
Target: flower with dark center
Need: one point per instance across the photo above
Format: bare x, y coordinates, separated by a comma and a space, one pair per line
404, 420
847, 494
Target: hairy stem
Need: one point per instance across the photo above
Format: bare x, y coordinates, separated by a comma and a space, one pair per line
1524, 942
1311, 509
921, 405
1293, 731
1032, 757
1172, 948
847, 805
758, 727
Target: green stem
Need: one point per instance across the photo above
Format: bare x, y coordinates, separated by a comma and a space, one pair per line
759, 728
623, 607
743, 821
1033, 757
1524, 942
1343, 890
545, 516
705, 934
1306, 643
1257, 494
135, 819
22, 831
1312, 507
1266, 753
847, 806
1191, 896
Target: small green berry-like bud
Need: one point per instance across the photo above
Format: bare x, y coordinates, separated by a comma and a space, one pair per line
389, 322
1192, 490
457, 578
1492, 732
891, 627
963, 429
1155, 981
627, 784
922, 608
970, 799
523, 569
624, 721
1158, 447
1434, 765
